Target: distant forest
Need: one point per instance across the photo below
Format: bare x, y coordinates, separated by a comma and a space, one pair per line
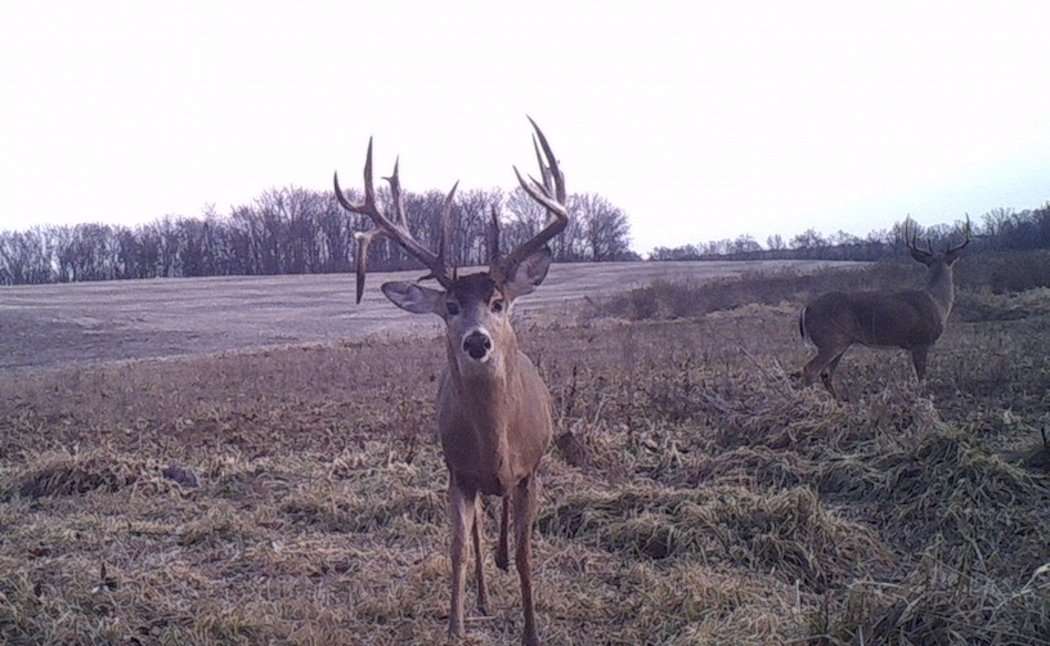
299, 231
999, 230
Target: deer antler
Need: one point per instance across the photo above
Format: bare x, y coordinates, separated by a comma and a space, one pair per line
494, 236
445, 237
959, 247
550, 193
395, 230
911, 239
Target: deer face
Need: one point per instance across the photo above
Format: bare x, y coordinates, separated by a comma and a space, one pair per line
940, 282
476, 310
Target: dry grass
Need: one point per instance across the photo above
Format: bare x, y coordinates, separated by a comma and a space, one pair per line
297, 496
990, 285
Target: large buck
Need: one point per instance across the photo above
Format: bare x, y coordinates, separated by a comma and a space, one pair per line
494, 414
912, 320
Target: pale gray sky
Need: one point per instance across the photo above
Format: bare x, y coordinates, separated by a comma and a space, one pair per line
702, 120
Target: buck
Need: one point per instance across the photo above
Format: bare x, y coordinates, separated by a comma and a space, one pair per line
912, 320
493, 409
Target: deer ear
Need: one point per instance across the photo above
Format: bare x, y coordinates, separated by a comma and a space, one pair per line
413, 298
922, 256
527, 275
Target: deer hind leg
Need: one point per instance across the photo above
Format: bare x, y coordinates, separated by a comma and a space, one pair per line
479, 561
828, 373
918, 359
524, 509
502, 551
461, 508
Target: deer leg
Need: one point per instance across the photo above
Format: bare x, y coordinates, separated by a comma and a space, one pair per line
817, 364
502, 551
829, 372
479, 569
524, 507
461, 506
918, 359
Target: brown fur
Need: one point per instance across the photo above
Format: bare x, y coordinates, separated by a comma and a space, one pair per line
912, 320
494, 414
495, 427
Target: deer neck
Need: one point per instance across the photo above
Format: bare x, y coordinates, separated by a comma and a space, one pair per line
941, 288
488, 396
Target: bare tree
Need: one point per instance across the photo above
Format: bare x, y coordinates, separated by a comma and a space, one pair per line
604, 226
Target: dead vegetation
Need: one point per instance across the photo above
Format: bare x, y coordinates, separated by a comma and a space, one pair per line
697, 497
992, 286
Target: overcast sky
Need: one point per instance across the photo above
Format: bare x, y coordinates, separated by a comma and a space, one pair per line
701, 120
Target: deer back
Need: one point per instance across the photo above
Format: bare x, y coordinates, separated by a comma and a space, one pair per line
904, 319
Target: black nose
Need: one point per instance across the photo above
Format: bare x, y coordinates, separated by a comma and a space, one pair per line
477, 344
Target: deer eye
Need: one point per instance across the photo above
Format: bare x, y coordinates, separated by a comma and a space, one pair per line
497, 306
452, 308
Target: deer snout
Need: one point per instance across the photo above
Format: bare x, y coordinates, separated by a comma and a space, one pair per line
477, 344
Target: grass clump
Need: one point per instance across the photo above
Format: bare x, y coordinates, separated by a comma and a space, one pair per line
346, 510
790, 533
63, 474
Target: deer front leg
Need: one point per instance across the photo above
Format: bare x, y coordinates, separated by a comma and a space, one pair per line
479, 568
461, 507
918, 359
502, 551
524, 508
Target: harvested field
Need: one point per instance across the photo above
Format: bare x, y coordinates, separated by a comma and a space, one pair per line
82, 323
295, 495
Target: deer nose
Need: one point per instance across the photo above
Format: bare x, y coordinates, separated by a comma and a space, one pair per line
477, 344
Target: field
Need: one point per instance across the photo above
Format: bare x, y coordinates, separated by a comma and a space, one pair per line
696, 495
84, 323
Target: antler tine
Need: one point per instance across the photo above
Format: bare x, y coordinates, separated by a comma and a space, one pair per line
966, 238
363, 238
559, 179
494, 237
397, 231
395, 194
446, 223
553, 198
911, 239
445, 233
544, 170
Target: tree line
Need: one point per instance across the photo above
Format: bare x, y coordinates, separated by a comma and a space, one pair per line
296, 231
299, 231
1000, 229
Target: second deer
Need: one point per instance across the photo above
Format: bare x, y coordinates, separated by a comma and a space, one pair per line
912, 320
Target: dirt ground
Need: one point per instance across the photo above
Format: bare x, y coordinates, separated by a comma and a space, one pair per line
54, 325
